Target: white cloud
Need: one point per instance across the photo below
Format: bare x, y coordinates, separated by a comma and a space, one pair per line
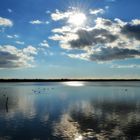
96, 11
20, 42
60, 15
83, 56
16, 36
64, 39
44, 44
110, 0
57, 37
30, 50
136, 22
9, 36
12, 57
48, 12
13, 36
47, 22
126, 66
107, 7
46, 52
38, 22
5, 22
10, 10
63, 30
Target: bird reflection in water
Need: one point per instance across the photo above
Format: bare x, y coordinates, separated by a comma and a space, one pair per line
6, 104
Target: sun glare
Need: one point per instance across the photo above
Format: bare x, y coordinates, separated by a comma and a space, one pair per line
77, 19
74, 83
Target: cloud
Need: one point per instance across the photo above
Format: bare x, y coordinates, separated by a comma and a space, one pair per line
110, 0
13, 36
12, 57
136, 22
46, 22
96, 11
107, 7
45, 51
44, 44
48, 12
107, 54
60, 15
63, 30
30, 50
126, 66
5, 22
9, 36
92, 37
106, 40
20, 42
10, 10
38, 22
131, 30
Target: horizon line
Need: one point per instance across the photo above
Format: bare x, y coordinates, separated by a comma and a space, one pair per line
65, 79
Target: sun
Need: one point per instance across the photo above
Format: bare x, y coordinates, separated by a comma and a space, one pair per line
77, 18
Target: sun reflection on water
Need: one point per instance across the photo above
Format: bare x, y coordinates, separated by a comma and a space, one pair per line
74, 83
80, 137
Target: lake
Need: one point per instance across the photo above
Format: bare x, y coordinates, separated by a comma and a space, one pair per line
70, 111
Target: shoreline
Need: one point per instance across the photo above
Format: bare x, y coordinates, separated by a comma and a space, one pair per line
67, 80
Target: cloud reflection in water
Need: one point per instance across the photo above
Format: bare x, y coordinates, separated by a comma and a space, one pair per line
71, 113
82, 120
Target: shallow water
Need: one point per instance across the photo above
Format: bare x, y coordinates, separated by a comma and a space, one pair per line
70, 111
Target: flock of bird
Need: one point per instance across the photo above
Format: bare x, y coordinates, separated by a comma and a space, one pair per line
41, 90
3, 93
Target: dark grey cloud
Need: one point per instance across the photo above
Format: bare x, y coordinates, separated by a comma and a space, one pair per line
106, 40
93, 37
131, 31
11, 57
7, 55
107, 54
8, 60
9, 64
104, 36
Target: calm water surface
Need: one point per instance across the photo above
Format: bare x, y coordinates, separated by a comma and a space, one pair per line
70, 111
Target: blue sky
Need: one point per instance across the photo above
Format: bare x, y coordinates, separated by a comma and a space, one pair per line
69, 39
